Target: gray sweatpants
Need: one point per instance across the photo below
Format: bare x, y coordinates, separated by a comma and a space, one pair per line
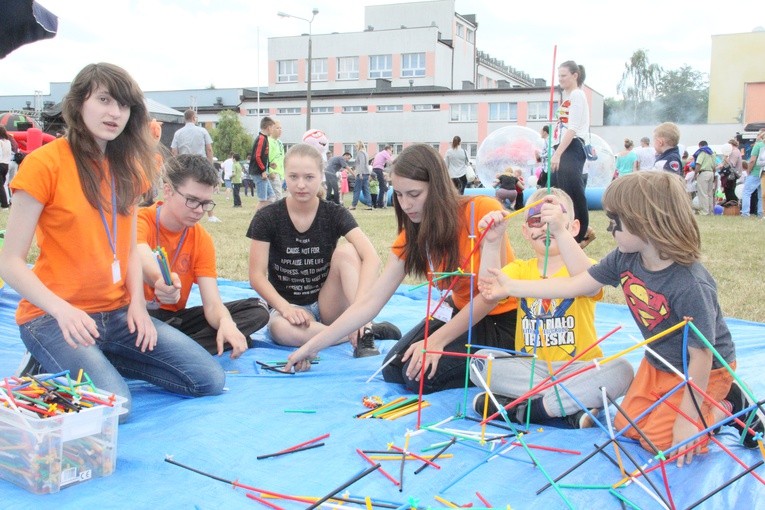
511, 377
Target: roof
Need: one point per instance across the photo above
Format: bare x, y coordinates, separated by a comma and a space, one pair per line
163, 113
156, 110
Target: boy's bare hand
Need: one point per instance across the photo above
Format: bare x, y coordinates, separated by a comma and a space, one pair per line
553, 215
494, 224
496, 286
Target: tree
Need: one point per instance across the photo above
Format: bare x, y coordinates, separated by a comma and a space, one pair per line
639, 80
230, 136
683, 96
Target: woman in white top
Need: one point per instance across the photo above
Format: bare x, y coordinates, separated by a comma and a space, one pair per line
568, 160
457, 163
5, 162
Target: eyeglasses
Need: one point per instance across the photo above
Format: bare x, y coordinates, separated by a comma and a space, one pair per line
534, 221
614, 222
534, 218
193, 203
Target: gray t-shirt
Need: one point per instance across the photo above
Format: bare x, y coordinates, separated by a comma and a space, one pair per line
660, 299
191, 139
362, 165
298, 262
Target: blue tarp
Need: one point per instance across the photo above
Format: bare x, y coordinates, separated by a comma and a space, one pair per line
224, 435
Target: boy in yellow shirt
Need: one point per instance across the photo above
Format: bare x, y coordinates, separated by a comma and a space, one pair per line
554, 330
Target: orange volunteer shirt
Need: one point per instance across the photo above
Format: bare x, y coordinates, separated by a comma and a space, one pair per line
461, 291
195, 259
75, 260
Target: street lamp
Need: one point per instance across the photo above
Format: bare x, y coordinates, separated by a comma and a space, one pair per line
310, 70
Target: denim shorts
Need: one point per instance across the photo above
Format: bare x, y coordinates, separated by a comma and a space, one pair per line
312, 308
265, 190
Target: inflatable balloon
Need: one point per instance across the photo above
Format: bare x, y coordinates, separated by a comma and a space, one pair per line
317, 138
17, 121
718, 210
600, 170
515, 146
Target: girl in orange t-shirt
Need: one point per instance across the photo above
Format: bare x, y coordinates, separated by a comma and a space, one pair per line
434, 224
83, 306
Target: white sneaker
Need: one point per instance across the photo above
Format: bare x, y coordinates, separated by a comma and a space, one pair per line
214, 219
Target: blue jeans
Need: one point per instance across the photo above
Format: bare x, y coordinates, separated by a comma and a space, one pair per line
383, 194
751, 184
265, 191
177, 363
361, 191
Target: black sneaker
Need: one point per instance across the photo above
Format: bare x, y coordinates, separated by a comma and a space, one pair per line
739, 400
385, 331
28, 366
581, 420
517, 413
366, 345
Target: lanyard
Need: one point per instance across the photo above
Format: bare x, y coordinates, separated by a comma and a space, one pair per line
111, 235
180, 242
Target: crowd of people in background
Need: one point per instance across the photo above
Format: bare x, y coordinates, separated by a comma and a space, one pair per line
725, 179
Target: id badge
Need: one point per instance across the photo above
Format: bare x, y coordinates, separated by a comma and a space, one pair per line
116, 273
443, 313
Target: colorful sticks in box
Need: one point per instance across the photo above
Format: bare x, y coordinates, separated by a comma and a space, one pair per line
44, 396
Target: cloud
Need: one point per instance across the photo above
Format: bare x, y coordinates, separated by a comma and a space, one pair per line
185, 44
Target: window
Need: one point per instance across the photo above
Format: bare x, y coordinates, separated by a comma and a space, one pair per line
254, 111
435, 145
460, 30
397, 147
322, 109
288, 111
286, 71
318, 69
471, 148
390, 108
465, 112
348, 68
470, 36
540, 110
503, 111
380, 66
355, 109
426, 107
412, 64
350, 148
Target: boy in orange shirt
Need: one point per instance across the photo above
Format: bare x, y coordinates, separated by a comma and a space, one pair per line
189, 184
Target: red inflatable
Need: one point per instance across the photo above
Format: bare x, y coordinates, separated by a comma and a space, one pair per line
31, 139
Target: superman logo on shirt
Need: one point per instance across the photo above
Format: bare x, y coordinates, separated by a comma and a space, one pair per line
648, 307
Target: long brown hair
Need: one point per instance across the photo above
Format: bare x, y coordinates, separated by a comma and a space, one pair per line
655, 207
437, 233
130, 156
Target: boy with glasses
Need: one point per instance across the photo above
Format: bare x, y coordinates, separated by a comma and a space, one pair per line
174, 225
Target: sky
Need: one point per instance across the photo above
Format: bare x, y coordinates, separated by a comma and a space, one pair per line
189, 44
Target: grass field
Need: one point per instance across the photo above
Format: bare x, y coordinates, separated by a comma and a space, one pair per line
733, 249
